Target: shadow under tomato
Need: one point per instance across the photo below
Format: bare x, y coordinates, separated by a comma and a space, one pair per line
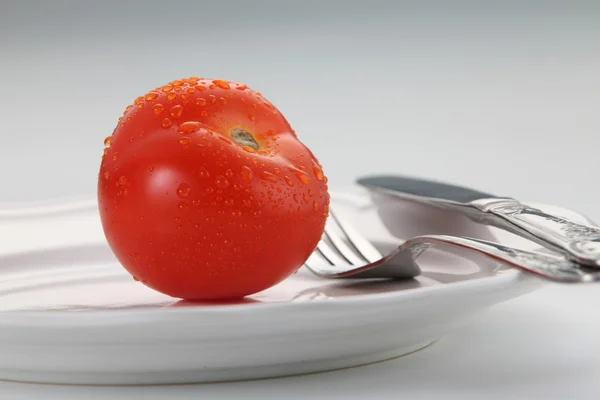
194, 303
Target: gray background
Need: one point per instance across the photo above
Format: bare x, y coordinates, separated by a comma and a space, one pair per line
502, 96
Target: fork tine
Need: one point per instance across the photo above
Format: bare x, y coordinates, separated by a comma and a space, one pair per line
364, 247
336, 235
329, 253
316, 259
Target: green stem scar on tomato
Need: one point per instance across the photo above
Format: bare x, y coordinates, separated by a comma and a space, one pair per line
244, 138
205, 192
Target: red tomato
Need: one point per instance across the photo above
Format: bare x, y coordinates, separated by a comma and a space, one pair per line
205, 191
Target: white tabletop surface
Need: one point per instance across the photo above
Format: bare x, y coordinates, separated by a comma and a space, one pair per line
503, 97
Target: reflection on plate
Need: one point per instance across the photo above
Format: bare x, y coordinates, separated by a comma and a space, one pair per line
70, 314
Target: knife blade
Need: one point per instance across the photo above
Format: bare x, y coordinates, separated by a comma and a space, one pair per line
578, 242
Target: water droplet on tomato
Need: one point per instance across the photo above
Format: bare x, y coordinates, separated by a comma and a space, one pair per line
223, 100
241, 86
201, 101
191, 90
222, 84
184, 141
177, 88
277, 170
167, 88
225, 139
315, 205
151, 168
182, 206
246, 174
229, 173
106, 175
171, 96
303, 176
318, 171
221, 182
122, 180
177, 82
199, 88
176, 111
288, 180
166, 123
212, 98
189, 127
115, 156
108, 141
251, 117
151, 96
183, 190
229, 202
266, 175
203, 172
209, 190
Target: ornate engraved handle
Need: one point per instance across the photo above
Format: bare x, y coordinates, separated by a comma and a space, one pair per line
580, 242
548, 266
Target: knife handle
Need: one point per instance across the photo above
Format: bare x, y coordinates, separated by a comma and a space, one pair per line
580, 242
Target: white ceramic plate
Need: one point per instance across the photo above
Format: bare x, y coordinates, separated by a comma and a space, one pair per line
69, 313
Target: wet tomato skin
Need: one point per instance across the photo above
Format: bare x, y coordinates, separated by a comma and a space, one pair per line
205, 192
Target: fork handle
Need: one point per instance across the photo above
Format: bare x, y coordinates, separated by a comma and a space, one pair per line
579, 242
551, 267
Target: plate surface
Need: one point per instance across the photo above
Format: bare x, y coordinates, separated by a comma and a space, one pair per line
69, 313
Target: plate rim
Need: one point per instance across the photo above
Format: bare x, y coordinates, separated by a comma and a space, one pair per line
101, 318
43, 319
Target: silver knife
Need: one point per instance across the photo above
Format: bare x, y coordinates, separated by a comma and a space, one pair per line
578, 242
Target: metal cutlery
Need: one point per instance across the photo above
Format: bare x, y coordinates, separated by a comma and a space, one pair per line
344, 253
578, 242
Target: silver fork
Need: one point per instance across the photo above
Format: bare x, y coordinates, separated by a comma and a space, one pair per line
344, 253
